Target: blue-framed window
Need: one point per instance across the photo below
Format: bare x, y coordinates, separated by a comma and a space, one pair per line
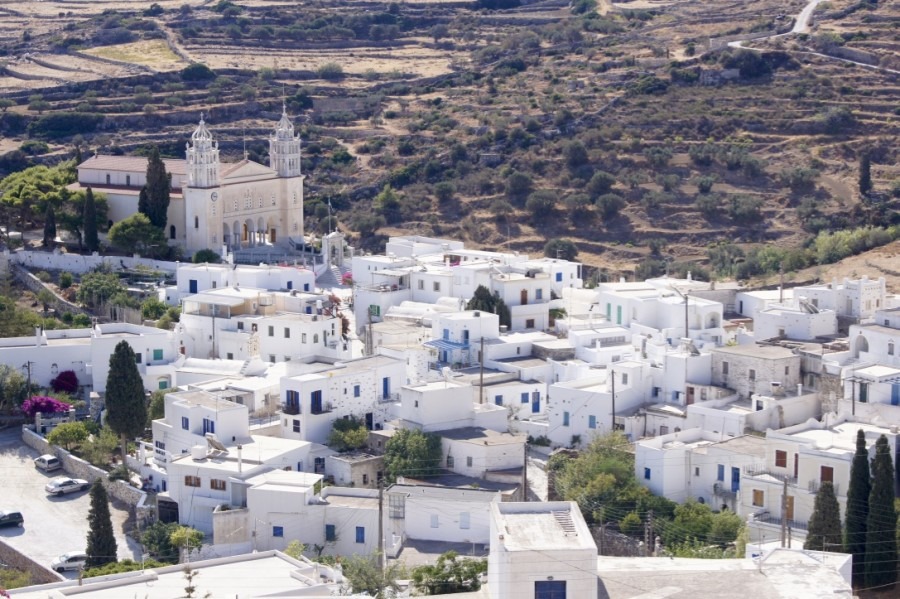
565, 419
209, 426
330, 534
356, 391
360, 534
720, 472
559, 277
592, 421
549, 589
185, 423
157, 354
646, 474
277, 531
525, 397
498, 399
315, 402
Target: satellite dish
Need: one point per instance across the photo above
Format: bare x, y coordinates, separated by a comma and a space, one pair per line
214, 442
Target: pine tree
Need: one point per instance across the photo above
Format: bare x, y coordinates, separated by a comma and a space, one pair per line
101, 541
49, 226
126, 410
881, 535
158, 189
89, 218
865, 173
824, 532
858, 507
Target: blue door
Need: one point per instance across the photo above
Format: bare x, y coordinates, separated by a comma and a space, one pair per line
735, 479
535, 402
386, 386
895, 394
192, 285
550, 589
618, 314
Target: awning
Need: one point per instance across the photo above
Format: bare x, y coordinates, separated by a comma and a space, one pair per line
445, 345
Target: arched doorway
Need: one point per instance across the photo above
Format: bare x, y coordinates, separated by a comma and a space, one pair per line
237, 235
250, 233
260, 231
226, 235
171, 231
861, 345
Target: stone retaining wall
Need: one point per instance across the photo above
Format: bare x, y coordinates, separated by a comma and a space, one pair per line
39, 573
74, 466
33, 284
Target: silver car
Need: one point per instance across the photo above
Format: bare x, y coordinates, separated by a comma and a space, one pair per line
73, 560
63, 484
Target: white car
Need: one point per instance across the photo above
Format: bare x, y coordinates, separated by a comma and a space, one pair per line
64, 484
73, 560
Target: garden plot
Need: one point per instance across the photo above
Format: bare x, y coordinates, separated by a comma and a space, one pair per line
149, 53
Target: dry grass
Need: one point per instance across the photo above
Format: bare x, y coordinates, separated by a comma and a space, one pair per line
150, 53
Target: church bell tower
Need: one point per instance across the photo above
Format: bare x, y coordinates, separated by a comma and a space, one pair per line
284, 148
202, 155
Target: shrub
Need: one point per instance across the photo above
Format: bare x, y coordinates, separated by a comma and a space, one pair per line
330, 71
65, 280
601, 182
197, 71
153, 308
44, 405
206, 255
65, 382
609, 205
65, 124
541, 203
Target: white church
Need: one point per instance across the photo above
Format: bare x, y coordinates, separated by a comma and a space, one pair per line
213, 204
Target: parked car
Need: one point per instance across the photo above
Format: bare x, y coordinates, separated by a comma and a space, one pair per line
63, 484
48, 463
73, 560
11, 518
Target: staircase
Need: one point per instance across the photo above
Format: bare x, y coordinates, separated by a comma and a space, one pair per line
333, 277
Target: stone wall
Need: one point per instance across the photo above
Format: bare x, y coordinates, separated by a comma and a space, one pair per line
33, 284
76, 263
74, 466
39, 574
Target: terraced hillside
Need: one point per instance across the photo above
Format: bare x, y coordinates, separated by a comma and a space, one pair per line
636, 130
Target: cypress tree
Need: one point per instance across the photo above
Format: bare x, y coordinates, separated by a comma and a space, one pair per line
881, 535
144, 202
865, 173
49, 226
858, 507
825, 523
126, 410
101, 541
158, 189
89, 218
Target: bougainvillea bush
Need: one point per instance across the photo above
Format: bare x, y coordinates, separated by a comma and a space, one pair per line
44, 405
65, 382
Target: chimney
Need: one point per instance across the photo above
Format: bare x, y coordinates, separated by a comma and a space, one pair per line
37, 336
777, 391
799, 389
240, 461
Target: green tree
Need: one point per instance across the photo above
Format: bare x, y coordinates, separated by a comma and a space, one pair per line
68, 434
485, 301
158, 190
881, 531
98, 288
45, 297
609, 204
156, 409
387, 203
153, 308
450, 574
137, 233
295, 549
857, 516
101, 541
865, 173
89, 222
411, 452
12, 384
157, 540
348, 434
601, 182
206, 256
518, 185
49, 226
186, 539
576, 154
541, 203
824, 533
366, 576
444, 191
561, 248
126, 412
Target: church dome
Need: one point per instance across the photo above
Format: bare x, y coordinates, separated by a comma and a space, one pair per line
201, 132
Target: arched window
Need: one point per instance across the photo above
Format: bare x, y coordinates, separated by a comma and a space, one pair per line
172, 232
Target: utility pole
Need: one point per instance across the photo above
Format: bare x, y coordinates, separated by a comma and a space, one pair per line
686, 331
651, 538
27, 366
481, 372
525, 471
382, 558
612, 374
784, 513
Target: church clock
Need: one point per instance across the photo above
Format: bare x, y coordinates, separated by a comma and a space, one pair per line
214, 196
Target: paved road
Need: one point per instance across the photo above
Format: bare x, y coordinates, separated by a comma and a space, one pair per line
53, 525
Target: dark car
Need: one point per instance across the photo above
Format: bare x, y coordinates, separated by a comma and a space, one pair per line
11, 518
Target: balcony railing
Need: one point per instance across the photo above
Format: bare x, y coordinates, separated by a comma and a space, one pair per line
720, 490
770, 519
290, 409
815, 485
321, 409
761, 470
389, 398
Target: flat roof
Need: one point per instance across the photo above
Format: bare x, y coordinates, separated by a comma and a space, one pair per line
481, 436
745, 444
840, 438
542, 526
206, 399
767, 352
352, 501
878, 371
263, 574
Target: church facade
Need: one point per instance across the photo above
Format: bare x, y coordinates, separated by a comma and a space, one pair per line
214, 205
